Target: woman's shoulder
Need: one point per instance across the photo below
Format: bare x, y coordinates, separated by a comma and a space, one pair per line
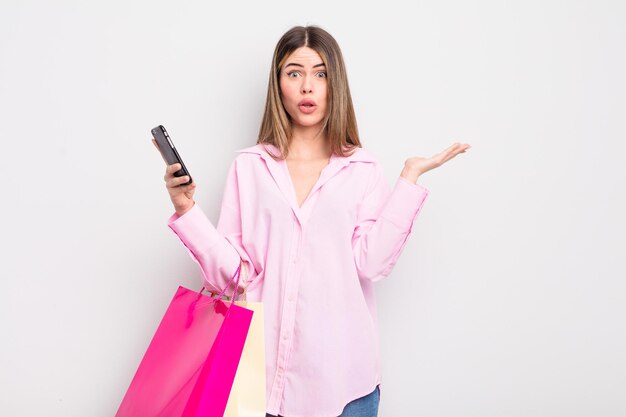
253, 158
260, 149
361, 155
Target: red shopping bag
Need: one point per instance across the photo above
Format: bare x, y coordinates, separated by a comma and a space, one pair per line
190, 364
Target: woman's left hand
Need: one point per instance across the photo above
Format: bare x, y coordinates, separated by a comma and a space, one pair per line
416, 166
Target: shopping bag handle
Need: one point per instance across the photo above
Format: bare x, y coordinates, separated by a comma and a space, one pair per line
236, 275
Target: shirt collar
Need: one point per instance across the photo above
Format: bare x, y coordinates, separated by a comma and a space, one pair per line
359, 155
279, 172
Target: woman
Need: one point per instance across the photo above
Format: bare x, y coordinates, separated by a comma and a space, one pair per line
310, 214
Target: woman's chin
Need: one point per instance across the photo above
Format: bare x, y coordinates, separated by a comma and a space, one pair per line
306, 122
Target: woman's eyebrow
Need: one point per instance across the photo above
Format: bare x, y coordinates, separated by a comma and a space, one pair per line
301, 66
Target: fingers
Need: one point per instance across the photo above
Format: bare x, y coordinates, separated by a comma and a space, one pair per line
453, 146
456, 149
187, 189
460, 149
170, 170
464, 146
176, 181
446, 154
450, 152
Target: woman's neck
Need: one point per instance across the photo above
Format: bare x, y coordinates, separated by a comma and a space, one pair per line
308, 143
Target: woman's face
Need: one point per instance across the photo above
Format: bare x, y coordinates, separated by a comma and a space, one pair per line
303, 87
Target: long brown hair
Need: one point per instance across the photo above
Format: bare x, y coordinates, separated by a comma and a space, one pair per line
340, 122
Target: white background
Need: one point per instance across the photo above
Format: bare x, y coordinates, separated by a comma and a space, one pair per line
509, 299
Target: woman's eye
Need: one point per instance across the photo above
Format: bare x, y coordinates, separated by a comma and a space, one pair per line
294, 74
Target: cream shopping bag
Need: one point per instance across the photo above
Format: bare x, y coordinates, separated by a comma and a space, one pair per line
247, 396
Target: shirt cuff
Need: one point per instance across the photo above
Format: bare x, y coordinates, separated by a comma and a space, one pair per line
194, 229
405, 202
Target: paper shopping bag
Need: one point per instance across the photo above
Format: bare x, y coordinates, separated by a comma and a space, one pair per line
247, 396
190, 364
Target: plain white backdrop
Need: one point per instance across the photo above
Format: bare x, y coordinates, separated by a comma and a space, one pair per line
510, 297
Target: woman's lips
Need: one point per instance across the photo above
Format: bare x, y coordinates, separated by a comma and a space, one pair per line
308, 109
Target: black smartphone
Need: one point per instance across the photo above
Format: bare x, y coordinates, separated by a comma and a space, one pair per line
169, 152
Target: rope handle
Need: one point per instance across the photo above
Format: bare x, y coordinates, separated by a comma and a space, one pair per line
236, 275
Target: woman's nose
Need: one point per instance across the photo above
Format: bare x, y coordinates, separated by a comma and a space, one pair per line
306, 86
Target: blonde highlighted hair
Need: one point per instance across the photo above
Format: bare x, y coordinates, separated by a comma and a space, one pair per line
340, 122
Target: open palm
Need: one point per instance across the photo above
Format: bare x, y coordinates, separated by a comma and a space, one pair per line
421, 164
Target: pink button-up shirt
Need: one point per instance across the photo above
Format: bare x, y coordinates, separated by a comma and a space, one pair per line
313, 267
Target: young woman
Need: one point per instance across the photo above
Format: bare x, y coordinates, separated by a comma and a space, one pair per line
311, 216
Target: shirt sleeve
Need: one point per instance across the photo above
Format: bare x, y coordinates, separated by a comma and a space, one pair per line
384, 221
217, 250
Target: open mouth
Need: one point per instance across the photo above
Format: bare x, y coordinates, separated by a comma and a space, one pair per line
307, 108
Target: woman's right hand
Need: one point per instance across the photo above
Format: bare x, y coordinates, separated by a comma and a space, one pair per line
181, 195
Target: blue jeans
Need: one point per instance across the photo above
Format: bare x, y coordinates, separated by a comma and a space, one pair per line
361, 407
